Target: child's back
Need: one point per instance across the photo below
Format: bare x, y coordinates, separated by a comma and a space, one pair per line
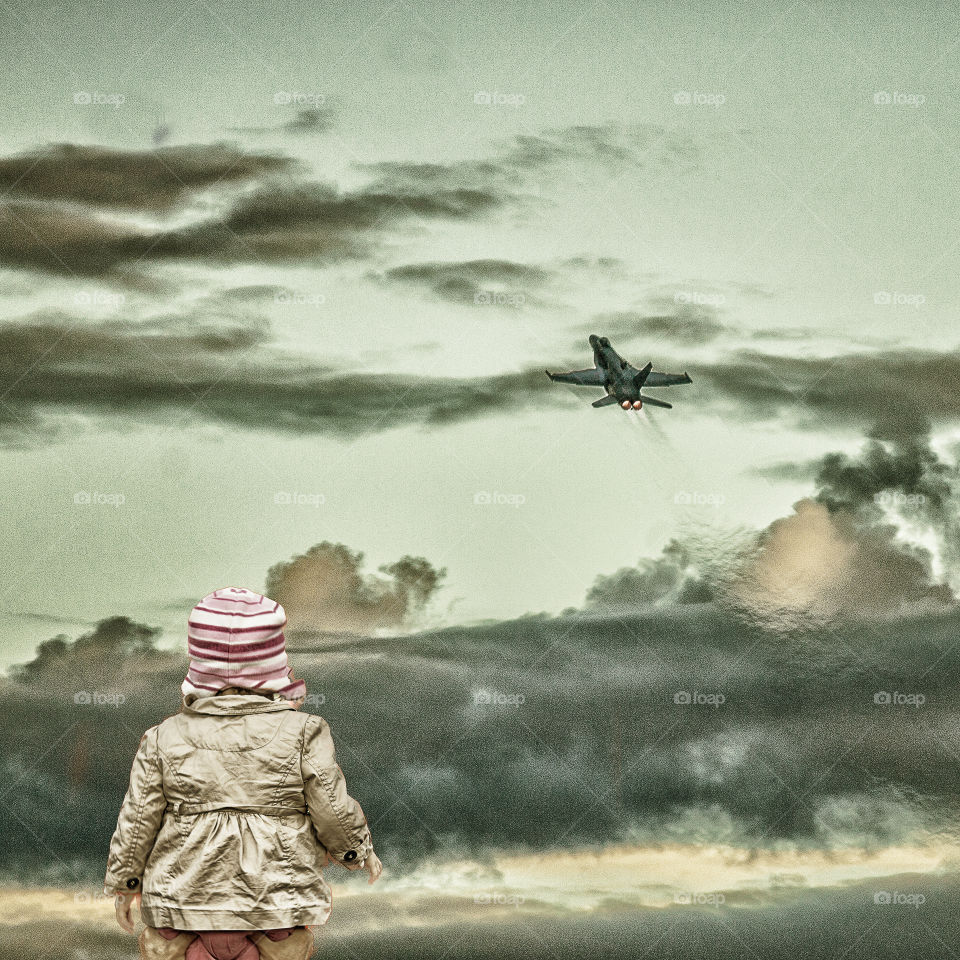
236, 802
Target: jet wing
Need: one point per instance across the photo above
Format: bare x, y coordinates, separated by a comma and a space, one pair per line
583, 378
655, 379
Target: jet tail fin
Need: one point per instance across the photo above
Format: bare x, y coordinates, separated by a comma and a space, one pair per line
641, 378
656, 403
604, 401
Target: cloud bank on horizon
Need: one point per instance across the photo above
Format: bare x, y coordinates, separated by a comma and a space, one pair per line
671, 724
787, 687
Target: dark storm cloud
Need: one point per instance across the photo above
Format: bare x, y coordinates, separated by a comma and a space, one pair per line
897, 472
899, 389
223, 373
51, 362
839, 555
275, 223
907, 466
305, 220
685, 327
508, 282
545, 732
468, 281
154, 180
61, 212
670, 578
65, 240
96, 657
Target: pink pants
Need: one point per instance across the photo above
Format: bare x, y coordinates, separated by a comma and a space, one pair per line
225, 944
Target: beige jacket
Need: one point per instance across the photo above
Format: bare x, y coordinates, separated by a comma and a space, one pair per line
233, 806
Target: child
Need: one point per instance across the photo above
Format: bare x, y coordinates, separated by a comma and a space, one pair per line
235, 802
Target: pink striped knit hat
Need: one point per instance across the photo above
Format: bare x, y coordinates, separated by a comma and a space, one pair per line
235, 639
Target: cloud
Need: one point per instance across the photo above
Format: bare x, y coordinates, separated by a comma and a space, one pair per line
887, 464
153, 180
817, 565
312, 120
843, 554
898, 479
891, 393
278, 223
318, 220
51, 365
97, 657
790, 471
472, 281
683, 323
63, 212
551, 733
325, 589
50, 361
305, 120
786, 333
899, 390
509, 282
609, 265
469, 740
671, 578
613, 145
257, 293
65, 240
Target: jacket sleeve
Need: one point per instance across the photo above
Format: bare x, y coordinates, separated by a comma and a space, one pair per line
139, 820
337, 818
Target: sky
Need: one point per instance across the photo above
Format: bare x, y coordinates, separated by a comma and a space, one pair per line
278, 288
336, 213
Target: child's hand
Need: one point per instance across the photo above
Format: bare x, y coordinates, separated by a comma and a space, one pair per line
124, 907
374, 867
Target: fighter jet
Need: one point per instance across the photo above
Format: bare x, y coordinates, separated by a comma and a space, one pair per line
621, 380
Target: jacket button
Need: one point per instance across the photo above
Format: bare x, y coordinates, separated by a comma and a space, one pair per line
350, 856
133, 882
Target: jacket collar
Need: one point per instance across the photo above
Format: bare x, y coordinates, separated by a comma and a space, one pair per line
235, 704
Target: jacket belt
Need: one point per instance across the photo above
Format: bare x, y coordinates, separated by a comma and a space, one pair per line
184, 809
